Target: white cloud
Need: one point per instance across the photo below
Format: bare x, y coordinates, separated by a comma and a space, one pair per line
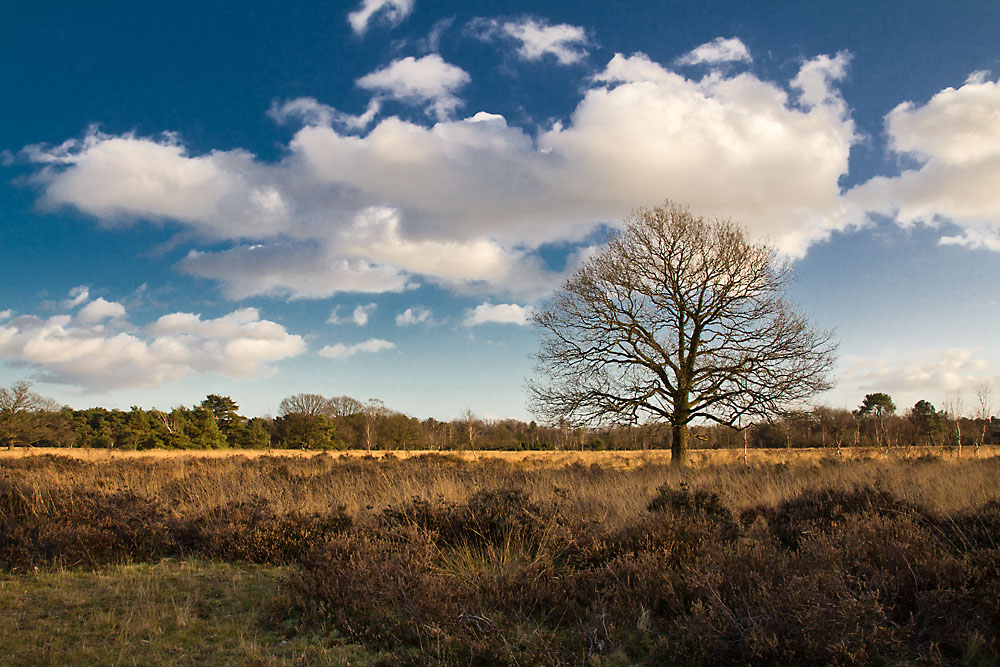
371, 346
501, 313
301, 270
466, 203
362, 313
6, 314
931, 375
118, 179
719, 50
955, 137
732, 146
414, 315
100, 309
311, 112
77, 295
536, 39
391, 11
427, 80
816, 78
379, 259
177, 345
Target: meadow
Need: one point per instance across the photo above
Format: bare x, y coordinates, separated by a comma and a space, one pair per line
599, 558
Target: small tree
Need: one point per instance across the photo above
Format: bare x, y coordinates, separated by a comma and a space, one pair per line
374, 412
679, 318
470, 424
878, 405
954, 406
925, 420
984, 410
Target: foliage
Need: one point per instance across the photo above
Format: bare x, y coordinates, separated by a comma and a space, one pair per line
216, 423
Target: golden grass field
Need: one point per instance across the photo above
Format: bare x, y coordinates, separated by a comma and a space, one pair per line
615, 459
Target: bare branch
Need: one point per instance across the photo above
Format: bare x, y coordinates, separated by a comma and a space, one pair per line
678, 318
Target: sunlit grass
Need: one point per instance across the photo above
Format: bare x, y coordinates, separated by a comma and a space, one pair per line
172, 612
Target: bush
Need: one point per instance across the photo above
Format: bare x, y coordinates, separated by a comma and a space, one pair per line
87, 528
254, 532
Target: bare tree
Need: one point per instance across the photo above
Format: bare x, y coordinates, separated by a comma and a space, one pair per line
677, 319
984, 409
468, 419
374, 412
306, 404
345, 406
954, 405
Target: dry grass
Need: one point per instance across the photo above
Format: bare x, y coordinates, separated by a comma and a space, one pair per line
612, 458
441, 560
603, 487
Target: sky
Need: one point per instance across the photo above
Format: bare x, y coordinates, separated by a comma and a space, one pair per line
368, 198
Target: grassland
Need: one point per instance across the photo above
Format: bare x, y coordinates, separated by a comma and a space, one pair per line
598, 559
613, 458
169, 612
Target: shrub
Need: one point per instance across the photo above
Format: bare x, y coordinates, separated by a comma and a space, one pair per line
252, 531
87, 528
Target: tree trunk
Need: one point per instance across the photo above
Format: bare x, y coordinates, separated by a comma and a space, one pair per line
679, 444
679, 428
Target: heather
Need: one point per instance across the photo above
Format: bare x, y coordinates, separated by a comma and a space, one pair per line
435, 560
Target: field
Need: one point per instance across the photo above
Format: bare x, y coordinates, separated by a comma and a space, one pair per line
601, 558
613, 458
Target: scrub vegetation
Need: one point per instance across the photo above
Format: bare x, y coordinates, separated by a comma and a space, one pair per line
431, 559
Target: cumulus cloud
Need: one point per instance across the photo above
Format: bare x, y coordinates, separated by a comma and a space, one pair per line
359, 316
391, 11
342, 351
955, 139
380, 258
931, 375
100, 309
414, 315
93, 353
536, 38
118, 179
501, 313
362, 313
427, 80
465, 203
719, 50
298, 270
816, 78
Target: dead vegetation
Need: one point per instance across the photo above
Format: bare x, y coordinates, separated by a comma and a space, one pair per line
433, 559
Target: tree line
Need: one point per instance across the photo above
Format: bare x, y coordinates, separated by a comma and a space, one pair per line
313, 421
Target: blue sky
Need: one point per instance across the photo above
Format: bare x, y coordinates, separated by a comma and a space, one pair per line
367, 198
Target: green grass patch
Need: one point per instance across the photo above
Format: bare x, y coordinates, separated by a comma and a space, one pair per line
171, 612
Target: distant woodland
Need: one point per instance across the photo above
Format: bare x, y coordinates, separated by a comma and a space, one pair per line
311, 421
